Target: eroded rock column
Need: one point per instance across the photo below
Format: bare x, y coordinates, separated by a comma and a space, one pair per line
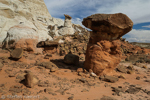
67, 29
103, 50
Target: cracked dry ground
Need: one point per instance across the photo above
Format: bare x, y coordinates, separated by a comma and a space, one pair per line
66, 83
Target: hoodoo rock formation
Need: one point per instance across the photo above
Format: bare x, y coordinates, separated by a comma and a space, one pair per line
66, 29
103, 50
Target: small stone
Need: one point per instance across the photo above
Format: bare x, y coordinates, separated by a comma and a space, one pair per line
61, 91
30, 80
47, 56
17, 53
148, 93
44, 98
122, 69
80, 74
138, 78
12, 75
110, 79
16, 90
53, 69
2, 85
52, 93
122, 76
83, 80
90, 70
48, 90
93, 74
130, 67
132, 90
80, 70
1, 66
20, 76
70, 98
144, 66
85, 90
107, 98
130, 72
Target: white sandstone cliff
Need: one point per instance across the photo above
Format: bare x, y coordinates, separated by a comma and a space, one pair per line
31, 13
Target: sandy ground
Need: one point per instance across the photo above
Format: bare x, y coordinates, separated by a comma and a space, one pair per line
65, 83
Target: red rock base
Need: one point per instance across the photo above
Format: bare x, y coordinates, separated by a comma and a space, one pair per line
102, 57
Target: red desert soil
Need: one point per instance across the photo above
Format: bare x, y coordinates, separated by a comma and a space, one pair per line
66, 83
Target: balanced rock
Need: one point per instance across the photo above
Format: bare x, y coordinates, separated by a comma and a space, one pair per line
103, 52
17, 53
108, 26
67, 29
30, 80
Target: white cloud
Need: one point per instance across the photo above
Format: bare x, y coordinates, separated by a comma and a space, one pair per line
77, 21
138, 36
137, 10
148, 26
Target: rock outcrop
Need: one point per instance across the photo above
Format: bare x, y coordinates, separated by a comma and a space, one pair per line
103, 50
32, 13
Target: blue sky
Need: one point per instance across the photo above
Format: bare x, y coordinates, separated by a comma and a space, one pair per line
136, 10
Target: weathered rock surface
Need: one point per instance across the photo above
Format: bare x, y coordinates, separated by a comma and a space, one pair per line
17, 53
31, 12
102, 57
108, 26
103, 50
30, 80
28, 45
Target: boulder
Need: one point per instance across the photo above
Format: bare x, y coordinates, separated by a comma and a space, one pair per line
71, 59
17, 53
30, 80
103, 52
108, 26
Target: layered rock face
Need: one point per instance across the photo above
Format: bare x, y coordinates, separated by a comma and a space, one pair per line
103, 50
32, 13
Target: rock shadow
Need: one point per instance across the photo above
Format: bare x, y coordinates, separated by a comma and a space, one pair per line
61, 64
